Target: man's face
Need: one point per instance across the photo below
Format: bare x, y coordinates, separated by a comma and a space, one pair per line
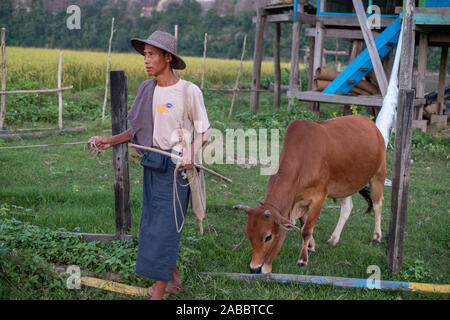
156, 60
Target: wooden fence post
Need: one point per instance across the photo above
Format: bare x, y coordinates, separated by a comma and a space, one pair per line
400, 179
119, 110
107, 70
236, 84
3, 98
60, 102
205, 43
402, 147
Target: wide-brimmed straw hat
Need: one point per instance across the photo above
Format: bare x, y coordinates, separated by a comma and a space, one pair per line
164, 41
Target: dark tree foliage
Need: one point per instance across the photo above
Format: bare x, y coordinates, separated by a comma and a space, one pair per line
38, 27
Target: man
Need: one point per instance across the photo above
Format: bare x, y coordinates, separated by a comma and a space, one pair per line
165, 109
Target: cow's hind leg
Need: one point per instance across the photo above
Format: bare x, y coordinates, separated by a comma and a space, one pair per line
307, 230
376, 194
346, 209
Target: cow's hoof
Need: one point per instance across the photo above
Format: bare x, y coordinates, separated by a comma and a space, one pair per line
332, 242
302, 264
374, 243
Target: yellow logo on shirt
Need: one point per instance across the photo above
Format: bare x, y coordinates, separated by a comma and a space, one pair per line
164, 108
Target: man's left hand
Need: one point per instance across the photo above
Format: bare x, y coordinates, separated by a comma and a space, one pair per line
186, 161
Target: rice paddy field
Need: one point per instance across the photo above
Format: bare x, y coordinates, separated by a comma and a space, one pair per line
85, 69
44, 191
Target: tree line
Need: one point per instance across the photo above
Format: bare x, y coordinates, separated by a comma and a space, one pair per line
38, 27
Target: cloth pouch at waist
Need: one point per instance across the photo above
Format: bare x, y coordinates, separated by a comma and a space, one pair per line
155, 161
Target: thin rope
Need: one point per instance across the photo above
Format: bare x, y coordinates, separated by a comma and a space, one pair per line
43, 145
234, 247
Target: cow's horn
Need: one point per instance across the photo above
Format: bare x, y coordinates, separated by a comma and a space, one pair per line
241, 207
267, 213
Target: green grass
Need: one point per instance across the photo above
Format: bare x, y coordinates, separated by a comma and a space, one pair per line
64, 187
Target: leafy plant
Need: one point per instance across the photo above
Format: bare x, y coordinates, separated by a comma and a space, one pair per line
416, 271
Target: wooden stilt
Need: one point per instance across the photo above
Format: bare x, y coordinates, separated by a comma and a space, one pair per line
293, 76
257, 60
421, 70
277, 68
441, 85
317, 57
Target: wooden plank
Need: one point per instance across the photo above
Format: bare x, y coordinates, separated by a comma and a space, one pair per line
119, 109
277, 67
60, 102
340, 33
441, 84
431, 19
257, 60
288, 18
337, 282
432, 10
370, 43
348, 21
3, 98
317, 96
400, 180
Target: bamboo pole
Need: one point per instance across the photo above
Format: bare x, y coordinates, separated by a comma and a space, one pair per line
36, 91
237, 78
60, 103
176, 32
204, 61
3, 98
107, 71
179, 158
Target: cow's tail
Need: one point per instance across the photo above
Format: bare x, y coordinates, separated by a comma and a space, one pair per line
365, 192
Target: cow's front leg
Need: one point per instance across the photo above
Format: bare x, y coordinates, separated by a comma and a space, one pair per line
307, 230
312, 243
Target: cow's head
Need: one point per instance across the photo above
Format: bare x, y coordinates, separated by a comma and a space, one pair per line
266, 230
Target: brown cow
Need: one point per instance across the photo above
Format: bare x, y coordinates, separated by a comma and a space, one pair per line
334, 158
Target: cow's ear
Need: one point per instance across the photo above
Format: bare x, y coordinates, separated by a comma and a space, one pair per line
289, 226
241, 207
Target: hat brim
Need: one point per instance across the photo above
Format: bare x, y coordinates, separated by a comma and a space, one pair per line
139, 45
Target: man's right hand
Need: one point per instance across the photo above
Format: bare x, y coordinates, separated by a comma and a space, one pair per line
103, 143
